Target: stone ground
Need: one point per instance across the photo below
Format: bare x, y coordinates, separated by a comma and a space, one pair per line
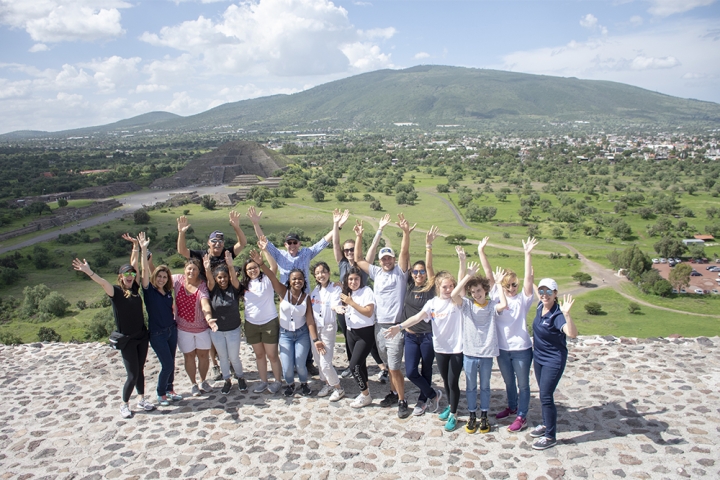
627, 409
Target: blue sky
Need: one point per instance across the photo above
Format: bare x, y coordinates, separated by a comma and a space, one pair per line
75, 63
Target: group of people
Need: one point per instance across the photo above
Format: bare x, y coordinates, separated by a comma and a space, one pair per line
409, 312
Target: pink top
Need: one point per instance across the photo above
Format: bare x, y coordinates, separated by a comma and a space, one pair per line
188, 314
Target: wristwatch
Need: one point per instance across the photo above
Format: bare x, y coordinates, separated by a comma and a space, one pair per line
315, 340
401, 327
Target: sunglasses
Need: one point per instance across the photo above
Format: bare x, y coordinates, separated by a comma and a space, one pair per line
215, 242
250, 269
545, 291
291, 242
419, 272
349, 250
512, 285
129, 274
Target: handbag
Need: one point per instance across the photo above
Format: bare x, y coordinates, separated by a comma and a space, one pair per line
118, 341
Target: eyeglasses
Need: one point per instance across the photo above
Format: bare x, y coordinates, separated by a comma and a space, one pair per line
349, 250
512, 285
215, 241
129, 274
250, 269
291, 242
419, 272
545, 291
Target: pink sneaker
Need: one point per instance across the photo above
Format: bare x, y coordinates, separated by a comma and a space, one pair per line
505, 413
519, 424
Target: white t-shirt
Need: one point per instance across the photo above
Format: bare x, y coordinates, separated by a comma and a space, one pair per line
323, 299
260, 302
362, 296
389, 292
511, 324
292, 315
447, 325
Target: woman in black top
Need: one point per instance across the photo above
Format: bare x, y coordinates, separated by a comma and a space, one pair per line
129, 320
225, 293
418, 338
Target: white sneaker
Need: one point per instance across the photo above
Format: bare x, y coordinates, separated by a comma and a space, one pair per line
260, 388
205, 386
337, 394
325, 391
361, 401
195, 391
419, 409
125, 411
145, 405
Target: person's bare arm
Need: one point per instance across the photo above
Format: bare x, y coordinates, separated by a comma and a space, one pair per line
337, 247
254, 217
414, 320
569, 328
459, 291
235, 223
463, 260
279, 288
361, 262
231, 270
341, 219
135, 250
366, 310
502, 304
310, 320
430, 237
183, 225
529, 277
404, 259
382, 223
208, 272
487, 269
144, 242
85, 268
272, 263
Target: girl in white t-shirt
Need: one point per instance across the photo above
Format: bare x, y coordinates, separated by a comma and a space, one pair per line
447, 328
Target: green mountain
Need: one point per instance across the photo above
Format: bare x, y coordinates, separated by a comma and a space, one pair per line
441, 95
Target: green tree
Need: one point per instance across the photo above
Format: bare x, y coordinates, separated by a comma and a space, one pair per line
318, 196
669, 247
208, 202
9, 338
557, 232
581, 277
55, 304
593, 308
633, 308
41, 258
32, 297
376, 205
141, 217
680, 276
443, 188
46, 334
62, 202
696, 251
525, 213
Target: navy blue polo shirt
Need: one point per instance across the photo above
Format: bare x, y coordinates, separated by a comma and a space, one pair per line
549, 341
159, 308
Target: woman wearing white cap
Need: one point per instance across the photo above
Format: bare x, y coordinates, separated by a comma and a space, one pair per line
551, 326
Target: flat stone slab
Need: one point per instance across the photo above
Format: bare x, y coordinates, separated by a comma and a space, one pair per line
627, 408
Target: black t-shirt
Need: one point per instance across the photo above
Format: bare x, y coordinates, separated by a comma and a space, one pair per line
414, 301
128, 311
214, 260
225, 307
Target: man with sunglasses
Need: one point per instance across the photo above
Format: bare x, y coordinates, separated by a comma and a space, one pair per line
216, 243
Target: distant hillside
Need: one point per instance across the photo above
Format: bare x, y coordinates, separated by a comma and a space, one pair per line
440, 95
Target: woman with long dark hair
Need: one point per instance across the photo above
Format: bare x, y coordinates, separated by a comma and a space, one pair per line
325, 300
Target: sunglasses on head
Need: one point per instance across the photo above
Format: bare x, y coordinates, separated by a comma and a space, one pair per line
419, 272
129, 274
545, 291
291, 242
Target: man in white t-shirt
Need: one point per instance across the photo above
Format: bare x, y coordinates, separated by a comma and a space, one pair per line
390, 284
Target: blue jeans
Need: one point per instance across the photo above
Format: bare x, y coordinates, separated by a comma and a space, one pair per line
164, 342
515, 364
227, 346
548, 378
474, 366
294, 348
419, 346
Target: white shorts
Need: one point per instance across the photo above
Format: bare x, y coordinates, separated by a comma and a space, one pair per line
187, 342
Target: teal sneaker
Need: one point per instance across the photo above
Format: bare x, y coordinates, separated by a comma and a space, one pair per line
451, 423
445, 414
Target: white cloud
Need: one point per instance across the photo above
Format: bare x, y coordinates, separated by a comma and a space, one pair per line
114, 72
642, 62
384, 33
64, 20
362, 4
636, 20
421, 55
38, 47
150, 88
71, 78
665, 8
589, 21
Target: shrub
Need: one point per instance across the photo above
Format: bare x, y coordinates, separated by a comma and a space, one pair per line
375, 205
141, 217
100, 326
100, 258
81, 305
41, 258
8, 338
208, 202
32, 298
46, 334
186, 212
593, 308
54, 304
62, 202
318, 196
581, 277
633, 308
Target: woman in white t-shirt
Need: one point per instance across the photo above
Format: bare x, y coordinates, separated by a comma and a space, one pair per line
447, 328
516, 352
359, 302
262, 327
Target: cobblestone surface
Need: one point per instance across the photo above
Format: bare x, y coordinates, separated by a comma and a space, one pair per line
627, 408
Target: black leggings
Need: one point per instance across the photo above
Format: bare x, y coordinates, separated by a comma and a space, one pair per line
450, 366
343, 328
360, 342
134, 355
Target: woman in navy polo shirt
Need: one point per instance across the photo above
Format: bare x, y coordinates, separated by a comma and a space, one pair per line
551, 327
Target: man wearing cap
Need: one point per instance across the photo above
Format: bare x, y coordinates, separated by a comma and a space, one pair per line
390, 279
216, 243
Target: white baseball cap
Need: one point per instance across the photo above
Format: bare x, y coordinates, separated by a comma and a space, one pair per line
385, 251
548, 282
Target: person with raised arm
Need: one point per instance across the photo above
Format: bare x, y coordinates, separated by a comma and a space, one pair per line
480, 344
157, 292
297, 326
262, 326
225, 293
130, 322
515, 348
551, 327
418, 339
390, 281
345, 256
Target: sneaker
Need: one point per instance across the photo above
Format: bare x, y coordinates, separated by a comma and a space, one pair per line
505, 413
163, 401
519, 424
346, 373
538, 431
403, 410
242, 384
274, 387
434, 403
419, 409
216, 374
471, 426
205, 387
145, 405
325, 391
445, 414
260, 388
337, 394
544, 442
383, 376
305, 390
313, 370
195, 391
289, 390
125, 411
172, 396
389, 400
361, 401
226, 388
484, 424
451, 423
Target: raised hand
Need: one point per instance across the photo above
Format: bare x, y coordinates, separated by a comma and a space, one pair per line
472, 268
262, 243
483, 243
499, 274
234, 218
129, 238
460, 252
81, 266
384, 221
358, 228
256, 257
530, 244
206, 261
404, 224
183, 224
229, 259
566, 304
340, 217
254, 215
431, 235
143, 240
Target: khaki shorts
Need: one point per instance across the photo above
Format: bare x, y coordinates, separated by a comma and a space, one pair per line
266, 333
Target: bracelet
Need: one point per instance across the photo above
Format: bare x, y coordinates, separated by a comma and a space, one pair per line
92, 274
135, 250
428, 246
